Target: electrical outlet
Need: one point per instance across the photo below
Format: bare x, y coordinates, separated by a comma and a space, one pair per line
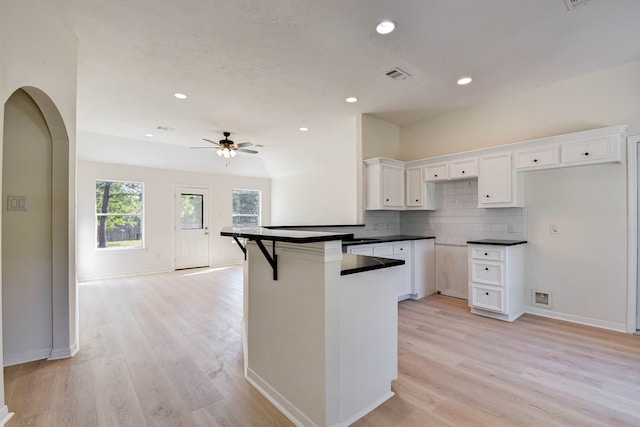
553, 229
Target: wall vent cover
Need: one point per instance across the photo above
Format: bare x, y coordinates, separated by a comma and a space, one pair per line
572, 4
397, 74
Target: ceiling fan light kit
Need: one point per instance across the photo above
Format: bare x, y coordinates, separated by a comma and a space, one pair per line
228, 149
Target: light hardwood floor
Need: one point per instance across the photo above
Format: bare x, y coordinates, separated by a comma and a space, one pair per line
165, 349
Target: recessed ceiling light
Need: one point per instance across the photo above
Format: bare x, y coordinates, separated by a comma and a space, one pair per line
351, 99
303, 129
385, 27
180, 95
149, 135
464, 81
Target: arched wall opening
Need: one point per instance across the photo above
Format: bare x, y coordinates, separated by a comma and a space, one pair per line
41, 304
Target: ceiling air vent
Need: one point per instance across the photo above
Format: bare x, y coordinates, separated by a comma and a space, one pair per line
165, 128
572, 4
397, 74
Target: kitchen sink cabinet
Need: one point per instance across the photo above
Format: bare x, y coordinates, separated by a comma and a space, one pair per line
496, 280
418, 273
499, 185
384, 184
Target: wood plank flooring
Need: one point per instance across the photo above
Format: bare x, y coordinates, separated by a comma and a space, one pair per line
166, 350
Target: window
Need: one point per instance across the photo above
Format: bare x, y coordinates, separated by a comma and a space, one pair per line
191, 211
119, 214
246, 208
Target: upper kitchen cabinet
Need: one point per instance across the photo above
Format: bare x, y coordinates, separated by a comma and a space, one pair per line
499, 185
420, 194
436, 172
384, 184
463, 168
574, 149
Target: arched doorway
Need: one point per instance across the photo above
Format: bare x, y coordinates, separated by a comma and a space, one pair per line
38, 302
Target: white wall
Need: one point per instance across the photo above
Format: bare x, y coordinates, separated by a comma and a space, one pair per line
380, 138
38, 50
584, 267
158, 216
328, 191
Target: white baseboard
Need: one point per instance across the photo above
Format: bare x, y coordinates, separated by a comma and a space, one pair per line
364, 412
5, 415
279, 401
618, 327
16, 359
65, 352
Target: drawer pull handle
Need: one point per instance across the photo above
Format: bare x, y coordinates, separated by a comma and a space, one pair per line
586, 154
435, 176
486, 254
486, 293
486, 268
535, 160
417, 200
462, 171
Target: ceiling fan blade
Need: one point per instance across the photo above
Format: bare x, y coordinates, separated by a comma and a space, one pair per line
244, 150
244, 144
208, 140
204, 148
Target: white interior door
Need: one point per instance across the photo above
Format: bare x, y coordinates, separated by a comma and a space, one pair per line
191, 230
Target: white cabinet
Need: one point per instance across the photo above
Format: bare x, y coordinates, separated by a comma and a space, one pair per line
596, 150
498, 183
496, 280
420, 194
463, 168
384, 184
537, 157
418, 273
436, 172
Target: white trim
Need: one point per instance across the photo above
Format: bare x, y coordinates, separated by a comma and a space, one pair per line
65, 352
29, 356
632, 233
5, 415
603, 324
364, 412
289, 410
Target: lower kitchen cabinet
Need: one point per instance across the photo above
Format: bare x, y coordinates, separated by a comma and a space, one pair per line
496, 279
418, 273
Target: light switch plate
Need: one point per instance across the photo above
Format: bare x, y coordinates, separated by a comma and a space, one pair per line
17, 203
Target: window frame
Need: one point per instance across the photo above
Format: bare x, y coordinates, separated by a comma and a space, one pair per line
259, 214
97, 215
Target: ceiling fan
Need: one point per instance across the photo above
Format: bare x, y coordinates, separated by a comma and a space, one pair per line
227, 148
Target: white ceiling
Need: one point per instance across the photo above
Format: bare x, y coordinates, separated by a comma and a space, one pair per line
261, 69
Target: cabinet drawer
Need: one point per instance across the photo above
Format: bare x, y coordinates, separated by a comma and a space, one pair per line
401, 248
492, 254
595, 150
536, 158
465, 168
487, 273
487, 298
436, 172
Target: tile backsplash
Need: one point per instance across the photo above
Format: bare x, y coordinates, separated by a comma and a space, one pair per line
458, 219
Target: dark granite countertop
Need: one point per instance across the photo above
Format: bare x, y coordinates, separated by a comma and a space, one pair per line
303, 227
382, 239
496, 242
352, 264
291, 236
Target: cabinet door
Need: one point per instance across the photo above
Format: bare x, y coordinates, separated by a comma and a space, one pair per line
414, 187
392, 186
436, 172
463, 168
537, 157
592, 151
494, 179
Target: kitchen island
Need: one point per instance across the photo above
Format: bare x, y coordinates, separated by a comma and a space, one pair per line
319, 326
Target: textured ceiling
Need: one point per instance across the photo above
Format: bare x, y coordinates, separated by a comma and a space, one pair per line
261, 69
